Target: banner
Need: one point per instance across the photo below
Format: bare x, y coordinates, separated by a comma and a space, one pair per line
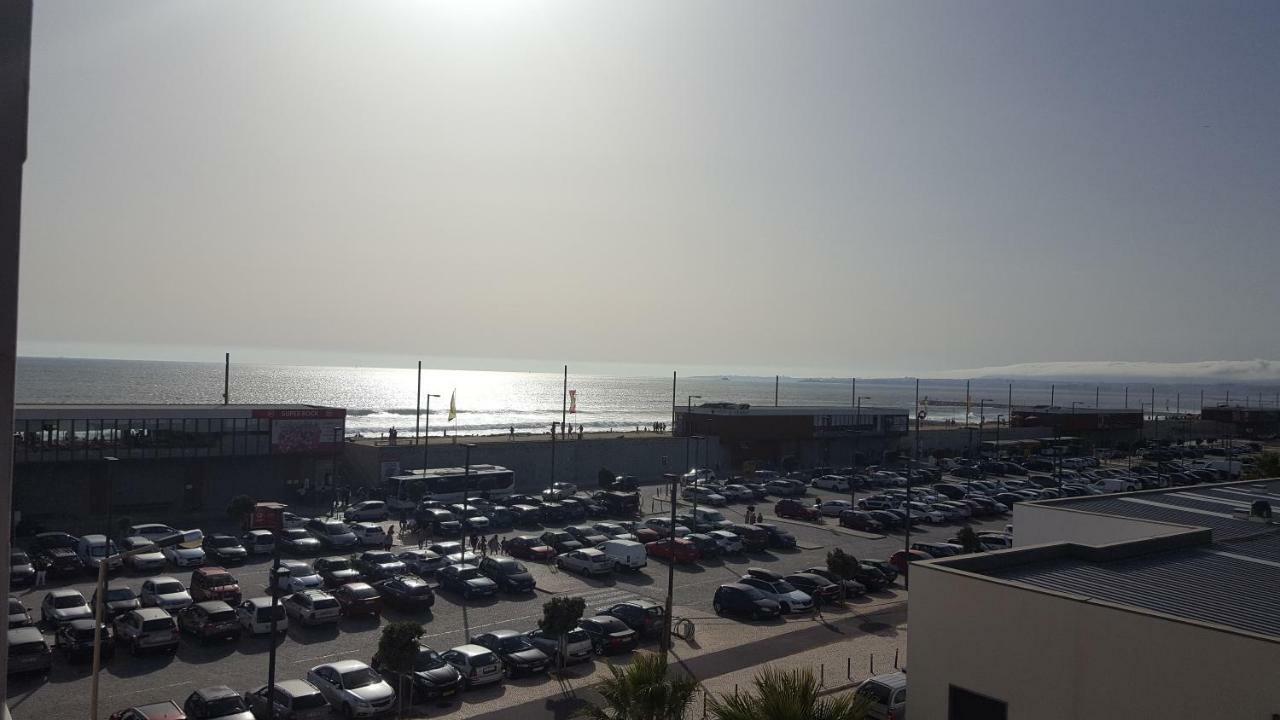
573, 402
453, 405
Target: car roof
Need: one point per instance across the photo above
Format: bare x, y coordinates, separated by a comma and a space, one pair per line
24, 635
64, 592
471, 649
213, 606
893, 680
167, 710
152, 613
505, 633
343, 666
736, 586
216, 692
294, 688
210, 570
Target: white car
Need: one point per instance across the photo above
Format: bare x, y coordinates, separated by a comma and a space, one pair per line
703, 495
924, 512
300, 577
165, 593
146, 562
352, 688
421, 562
588, 561
662, 526
831, 482
375, 510
578, 647
737, 493
728, 542
312, 607
369, 534
559, 491
292, 521
151, 531
833, 508
184, 557
255, 616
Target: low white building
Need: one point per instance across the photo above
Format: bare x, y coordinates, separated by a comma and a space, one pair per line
1161, 604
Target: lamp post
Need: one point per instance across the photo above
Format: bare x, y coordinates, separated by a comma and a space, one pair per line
665, 645
426, 432
186, 537
999, 418
853, 452
466, 486
982, 420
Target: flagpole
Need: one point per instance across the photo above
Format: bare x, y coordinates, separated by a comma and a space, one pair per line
564, 399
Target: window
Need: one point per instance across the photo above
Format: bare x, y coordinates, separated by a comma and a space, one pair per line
967, 705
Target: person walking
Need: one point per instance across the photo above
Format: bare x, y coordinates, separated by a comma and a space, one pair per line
493, 544
391, 536
474, 542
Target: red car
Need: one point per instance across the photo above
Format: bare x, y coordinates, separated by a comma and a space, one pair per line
527, 547
646, 536
795, 509
678, 550
903, 558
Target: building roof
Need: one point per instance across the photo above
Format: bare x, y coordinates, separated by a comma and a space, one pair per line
787, 410
1077, 410
140, 411
1224, 570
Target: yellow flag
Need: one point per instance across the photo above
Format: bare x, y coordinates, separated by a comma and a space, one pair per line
453, 405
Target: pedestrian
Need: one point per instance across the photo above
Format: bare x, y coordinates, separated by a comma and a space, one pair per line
41, 574
493, 544
391, 536
512, 430
404, 518
484, 546
474, 542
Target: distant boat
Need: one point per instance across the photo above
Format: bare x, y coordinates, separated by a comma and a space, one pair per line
722, 377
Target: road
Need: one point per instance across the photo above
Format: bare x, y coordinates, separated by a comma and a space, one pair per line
242, 664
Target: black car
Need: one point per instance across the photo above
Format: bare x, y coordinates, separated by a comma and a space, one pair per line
224, 549
336, 571
438, 521
296, 541
501, 518
208, 620
525, 515
75, 638
377, 565
885, 567
852, 587
552, 512
431, 677
609, 634
22, 574
586, 535
744, 601
818, 587
574, 509
646, 617
518, 655
55, 552
860, 520
408, 592
466, 580
560, 541
778, 538
518, 499
887, 520
510, 574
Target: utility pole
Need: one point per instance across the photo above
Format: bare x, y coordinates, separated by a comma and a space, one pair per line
911, 469
776, 380
564, 399
417, 408
673, 403
226, 379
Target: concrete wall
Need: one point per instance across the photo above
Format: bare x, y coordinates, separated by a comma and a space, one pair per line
1054, 657
1039, 524
577, 461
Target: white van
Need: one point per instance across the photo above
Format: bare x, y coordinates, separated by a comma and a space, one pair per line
259, 542
626, 554
93, 548
712, 518
254, 615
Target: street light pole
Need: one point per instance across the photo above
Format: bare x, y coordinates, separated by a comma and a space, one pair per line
466, 487
99, 597
671, 566
853, 453
426, 433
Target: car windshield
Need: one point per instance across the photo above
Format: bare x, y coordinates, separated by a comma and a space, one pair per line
511, 566
335, 528
363, 677
578, 635
116, 594
68, 601
225, 542
324, 603
295, 533
165, 588
100, 550
337, 564
222, 706
515, 643
222, 615
879, 693
713, 516
468, 573
427, 659
157, 624
220, 579
782, 586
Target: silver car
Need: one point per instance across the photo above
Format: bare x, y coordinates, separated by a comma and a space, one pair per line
165, 593
790, 599
887, 695
589, 561
352, 688
293, 700
63, 606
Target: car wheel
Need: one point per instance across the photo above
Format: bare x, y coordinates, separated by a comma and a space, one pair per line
466, 594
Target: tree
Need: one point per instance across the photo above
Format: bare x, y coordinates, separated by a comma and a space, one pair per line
560, 615
843, 564
788, 695
239, 508
644, 690
122, 524
969, 540
1268, 466
397, 650
606, 478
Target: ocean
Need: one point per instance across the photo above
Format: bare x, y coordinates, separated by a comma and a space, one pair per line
491, 402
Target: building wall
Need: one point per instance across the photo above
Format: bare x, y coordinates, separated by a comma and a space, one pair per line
1058, 658
1039, 524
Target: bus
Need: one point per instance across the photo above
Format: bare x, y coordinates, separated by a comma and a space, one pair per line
450, 485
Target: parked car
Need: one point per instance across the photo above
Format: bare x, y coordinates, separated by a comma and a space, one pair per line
744, 600
184, 557
19, 616
375, 565
788, 597
559, 490
75, 640
62, 606
560, 541
225, 549
888, 570
296, 576
778, 537
518, 655
938, 550
369, 534
467, 581
834, 508
477, 665
214, 583
358, 598
902, 559
831, 482
818, 587
94, 549
586, 535
55, 552
407, 592
28, 651
336, 571
578, 647
609, 635
431, 677
292, 700
353, 688
644, 616
887, 695
753, 537
454, 553
147, 628
729, 543
312, 607
255, 615
625, 554
259, 542
119, 599
705, 495
296, 541
151, 531
586, 562
167, 710
860, 520
852, 586
678, 550
527, 547
209, 620
370, 510
332, 534
438, 521
663, 527
144, 562
787, 508
510, 574
216, 703
707, 546
421, 562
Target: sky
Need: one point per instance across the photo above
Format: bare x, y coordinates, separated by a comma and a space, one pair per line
808, 187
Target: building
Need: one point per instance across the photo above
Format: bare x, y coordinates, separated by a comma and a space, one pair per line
1245, 422
807, 435
168, 458
1157, 604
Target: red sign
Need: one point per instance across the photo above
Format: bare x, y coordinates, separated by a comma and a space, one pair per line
267, 516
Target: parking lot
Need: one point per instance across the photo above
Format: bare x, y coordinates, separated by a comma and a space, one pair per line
242, 664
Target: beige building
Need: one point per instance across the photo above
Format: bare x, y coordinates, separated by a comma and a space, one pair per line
1161, 604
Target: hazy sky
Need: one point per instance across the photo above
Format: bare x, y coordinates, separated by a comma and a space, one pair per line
846, 187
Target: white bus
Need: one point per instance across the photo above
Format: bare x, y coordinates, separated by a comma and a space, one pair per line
450, 485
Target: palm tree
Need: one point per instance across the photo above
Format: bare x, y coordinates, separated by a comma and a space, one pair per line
644, 690
788, 695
